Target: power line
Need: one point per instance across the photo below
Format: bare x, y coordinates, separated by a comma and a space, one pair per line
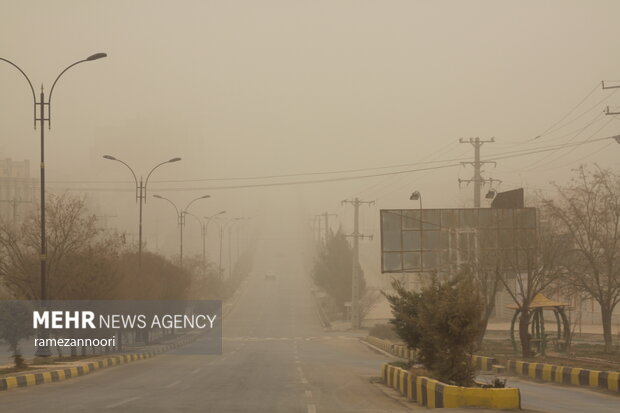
582, 114
497, 156
594, 89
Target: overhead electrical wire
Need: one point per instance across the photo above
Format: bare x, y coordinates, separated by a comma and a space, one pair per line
497, 156
550, 128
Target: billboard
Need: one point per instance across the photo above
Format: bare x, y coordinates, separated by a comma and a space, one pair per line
423, 240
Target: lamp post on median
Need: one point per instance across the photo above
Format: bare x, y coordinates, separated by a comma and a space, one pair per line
204, 239
181, 220
140, 195
44, 351
203, 232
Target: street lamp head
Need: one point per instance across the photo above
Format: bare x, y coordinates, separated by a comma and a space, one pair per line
157, 196
415, 196
205, 196
221, 212
491, 194
174, 160
110, 157
96, 56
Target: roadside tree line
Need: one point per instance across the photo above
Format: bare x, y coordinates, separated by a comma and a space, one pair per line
574, 251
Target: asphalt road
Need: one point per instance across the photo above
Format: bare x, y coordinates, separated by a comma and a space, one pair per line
276, 358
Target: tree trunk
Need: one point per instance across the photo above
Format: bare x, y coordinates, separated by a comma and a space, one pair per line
483, 329
606, 313
524, 334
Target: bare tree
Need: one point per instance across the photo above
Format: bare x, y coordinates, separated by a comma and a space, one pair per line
528, 268
589, 210
80, 255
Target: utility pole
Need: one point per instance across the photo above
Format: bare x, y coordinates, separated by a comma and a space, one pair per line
478, 180
607, 112
326, 215
317, 220
355, 291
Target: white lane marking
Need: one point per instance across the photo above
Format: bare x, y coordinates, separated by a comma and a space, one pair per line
112, 406
304, 381
196, 371
174, 383
308, 394
311, 408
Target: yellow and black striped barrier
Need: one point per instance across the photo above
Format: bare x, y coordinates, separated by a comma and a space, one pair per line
608, 380
484, 363
398, 350
52, 376
432, 393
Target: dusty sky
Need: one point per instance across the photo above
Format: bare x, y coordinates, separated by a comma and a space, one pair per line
255, 88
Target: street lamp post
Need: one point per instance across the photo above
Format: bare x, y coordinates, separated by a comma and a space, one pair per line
140, 195
181, 220
44, 351
204, 239
417, 196
222, 228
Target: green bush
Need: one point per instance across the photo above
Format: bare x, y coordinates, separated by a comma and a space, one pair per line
442, 322
384, 331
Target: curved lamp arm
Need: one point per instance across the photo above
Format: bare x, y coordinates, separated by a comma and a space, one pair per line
173, 204
212, 217
195, 217
155, 167
49, 98
112, 158
34, 98
194, 200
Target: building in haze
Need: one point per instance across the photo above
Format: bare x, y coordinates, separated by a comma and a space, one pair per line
16, 189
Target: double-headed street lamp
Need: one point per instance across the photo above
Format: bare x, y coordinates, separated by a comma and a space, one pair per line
140, 195
43, 351
204, 227
222, 227
181, 220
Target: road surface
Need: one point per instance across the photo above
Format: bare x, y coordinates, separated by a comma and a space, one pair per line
276, 358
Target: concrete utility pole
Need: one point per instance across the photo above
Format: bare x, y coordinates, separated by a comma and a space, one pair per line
478, 180
325, 216
355, 291
317, 225
607, 112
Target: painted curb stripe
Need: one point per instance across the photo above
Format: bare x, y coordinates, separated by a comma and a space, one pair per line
32, 379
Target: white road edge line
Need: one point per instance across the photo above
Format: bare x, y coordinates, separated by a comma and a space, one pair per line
196, 371
311, 408
112, 406
174, 383
308, 394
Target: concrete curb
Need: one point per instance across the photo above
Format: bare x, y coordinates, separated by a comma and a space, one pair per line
405, 353
435, 394
52, 376
575, 376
